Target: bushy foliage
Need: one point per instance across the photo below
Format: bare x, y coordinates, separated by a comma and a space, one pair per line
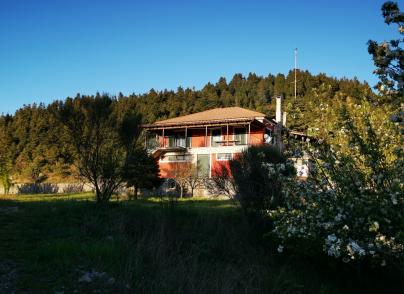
388, 56
37, 188
102, 140
352, 207
260, 175
141, 171
255, 179
73, 188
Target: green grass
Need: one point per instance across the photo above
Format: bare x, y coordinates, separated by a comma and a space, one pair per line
47, 242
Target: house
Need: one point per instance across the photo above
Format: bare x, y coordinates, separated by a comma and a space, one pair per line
209, 138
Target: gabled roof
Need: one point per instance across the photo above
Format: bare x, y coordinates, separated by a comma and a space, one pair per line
216, 114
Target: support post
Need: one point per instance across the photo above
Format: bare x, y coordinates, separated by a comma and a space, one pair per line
186, 136
249, 133
227, 135
145, 140
163, 139
206, 136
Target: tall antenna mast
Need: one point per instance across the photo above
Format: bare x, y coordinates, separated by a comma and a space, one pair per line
295, 73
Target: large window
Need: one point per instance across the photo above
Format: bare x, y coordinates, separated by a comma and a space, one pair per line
179, 141
240, 136
216, 137
203, 165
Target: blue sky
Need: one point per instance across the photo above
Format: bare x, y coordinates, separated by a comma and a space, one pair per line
53, 49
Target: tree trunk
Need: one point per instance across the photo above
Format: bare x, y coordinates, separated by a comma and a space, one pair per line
97, 194
135, 193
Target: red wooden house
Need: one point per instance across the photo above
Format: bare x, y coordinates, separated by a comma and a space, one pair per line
208, 138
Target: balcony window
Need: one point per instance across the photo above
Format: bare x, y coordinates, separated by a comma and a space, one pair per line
240, 136
176, 141
216, 137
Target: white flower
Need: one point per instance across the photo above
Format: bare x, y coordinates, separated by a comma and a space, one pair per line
338, 217
331, 238
346, 228
374, 227
394, 199
353, 248
280, 249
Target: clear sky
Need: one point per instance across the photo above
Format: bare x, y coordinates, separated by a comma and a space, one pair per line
53, 49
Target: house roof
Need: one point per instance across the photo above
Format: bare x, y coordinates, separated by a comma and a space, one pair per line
216, 114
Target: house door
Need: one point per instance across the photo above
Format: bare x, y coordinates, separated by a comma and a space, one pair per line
203, 165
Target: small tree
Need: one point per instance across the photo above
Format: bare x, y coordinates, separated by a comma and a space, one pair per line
6, 153
186, 176
142, 171
260, 174
255, 179
221, 182
101, 139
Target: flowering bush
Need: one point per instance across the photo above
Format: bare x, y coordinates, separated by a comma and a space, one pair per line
352, 206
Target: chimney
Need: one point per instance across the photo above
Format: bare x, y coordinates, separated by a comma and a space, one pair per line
284, 119
278, 117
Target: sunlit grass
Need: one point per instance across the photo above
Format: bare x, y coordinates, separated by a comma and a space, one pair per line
47, 197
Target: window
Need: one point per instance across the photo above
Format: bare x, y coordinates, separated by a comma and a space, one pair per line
179, 141
216, 135
181, 157
240, 136
176, 141
151, 141
203, 165
223, 156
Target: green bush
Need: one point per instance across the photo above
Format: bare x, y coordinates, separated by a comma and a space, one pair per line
260, 175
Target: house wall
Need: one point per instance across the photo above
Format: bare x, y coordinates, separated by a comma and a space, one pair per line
167, 168
257, 136
198, 138
217, 165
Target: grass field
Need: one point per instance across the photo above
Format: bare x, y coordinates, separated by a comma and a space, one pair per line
69, 244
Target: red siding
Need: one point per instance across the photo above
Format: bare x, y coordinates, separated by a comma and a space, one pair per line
217, 165
198, 138
257, 136
167, 169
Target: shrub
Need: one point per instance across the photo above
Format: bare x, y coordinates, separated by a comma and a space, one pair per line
36, 188
256, 179
73, 188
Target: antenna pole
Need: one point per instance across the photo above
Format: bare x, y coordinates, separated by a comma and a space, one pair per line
295, 73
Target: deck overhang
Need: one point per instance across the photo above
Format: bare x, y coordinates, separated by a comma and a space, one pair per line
207, 123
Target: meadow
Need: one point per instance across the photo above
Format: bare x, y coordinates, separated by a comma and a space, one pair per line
70, 244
